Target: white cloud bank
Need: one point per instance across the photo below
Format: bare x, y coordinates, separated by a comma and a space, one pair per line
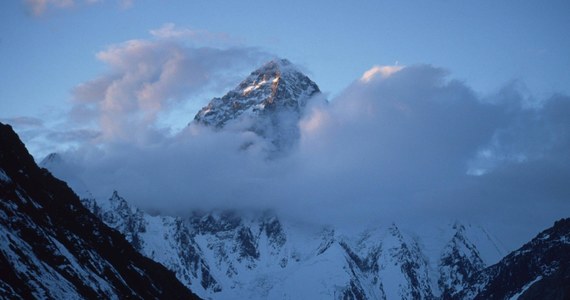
404, 146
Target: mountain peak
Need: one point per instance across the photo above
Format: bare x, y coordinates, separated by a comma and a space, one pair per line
277, 65
275, 89
276, 83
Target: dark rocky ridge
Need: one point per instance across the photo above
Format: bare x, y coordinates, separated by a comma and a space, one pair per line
53, 247
540, 269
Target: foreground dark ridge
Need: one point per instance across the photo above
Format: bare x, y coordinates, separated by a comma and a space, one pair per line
52, 247
540, 269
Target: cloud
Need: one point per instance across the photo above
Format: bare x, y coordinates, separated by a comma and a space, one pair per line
126, 3
147, 78
42, 139
24, 122
533, 133
405, 147
386, 141
150, 89
171, 31
72, 136
40, 7
400, 148
382, 71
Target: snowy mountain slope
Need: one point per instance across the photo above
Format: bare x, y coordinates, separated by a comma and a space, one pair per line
223, 255
257, 255
540, 269
460, 261
269, 102
51, 247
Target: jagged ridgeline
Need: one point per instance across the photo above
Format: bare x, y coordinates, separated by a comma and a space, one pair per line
223, 254
51, 247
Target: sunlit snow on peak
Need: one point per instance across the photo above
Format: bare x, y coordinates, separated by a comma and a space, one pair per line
257, 85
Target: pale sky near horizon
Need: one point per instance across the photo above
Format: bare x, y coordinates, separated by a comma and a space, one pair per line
48, 47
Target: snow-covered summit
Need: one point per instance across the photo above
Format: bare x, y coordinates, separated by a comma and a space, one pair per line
270, 102
276, 84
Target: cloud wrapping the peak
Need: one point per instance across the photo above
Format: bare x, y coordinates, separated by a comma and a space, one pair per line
390, 139
149, 77
402, 147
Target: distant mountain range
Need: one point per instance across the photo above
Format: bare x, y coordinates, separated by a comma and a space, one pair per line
93, 245
223, 255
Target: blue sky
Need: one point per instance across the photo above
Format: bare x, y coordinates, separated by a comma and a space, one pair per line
486, 43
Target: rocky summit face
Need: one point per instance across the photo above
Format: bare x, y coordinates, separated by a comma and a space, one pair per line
269, 102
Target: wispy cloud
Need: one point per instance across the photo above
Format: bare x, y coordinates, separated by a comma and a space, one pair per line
149, 77
172, 31
126, 3
40, 7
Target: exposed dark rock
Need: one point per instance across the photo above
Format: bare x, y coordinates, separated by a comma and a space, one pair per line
53, 247
539, 267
